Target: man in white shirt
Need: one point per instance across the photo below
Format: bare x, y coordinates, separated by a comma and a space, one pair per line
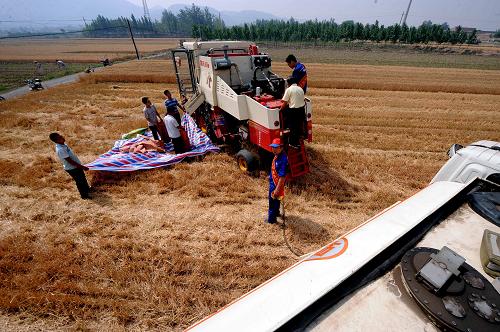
71, 164
293, 108
173, 130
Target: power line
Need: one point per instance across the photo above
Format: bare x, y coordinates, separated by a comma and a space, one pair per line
37, 21
77, 31
64, 33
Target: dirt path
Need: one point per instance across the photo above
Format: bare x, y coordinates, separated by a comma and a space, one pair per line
63, 80
46, 84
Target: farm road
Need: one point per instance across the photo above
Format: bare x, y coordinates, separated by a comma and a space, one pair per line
63, 80
46, 84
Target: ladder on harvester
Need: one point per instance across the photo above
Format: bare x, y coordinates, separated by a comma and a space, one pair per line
297, 160
184, 66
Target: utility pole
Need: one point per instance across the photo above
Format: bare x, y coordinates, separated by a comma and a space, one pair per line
402, 14
133, 41
407, 10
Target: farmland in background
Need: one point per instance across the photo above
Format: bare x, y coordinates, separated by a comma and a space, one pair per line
80, 49
13, 74
17, 55
387, 54
161, 249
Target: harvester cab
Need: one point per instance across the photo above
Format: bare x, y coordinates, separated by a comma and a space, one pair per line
235, 98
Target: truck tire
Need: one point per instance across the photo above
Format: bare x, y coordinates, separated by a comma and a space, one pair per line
247, 161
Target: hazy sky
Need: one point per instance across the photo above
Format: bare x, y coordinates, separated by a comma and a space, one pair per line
484, 14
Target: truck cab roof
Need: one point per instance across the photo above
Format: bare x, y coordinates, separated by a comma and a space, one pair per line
479, 159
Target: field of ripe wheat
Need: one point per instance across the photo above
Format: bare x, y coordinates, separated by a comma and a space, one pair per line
161, 249
80, 49
17, 56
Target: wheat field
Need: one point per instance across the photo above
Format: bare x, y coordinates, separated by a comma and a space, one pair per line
159, 250
80, 49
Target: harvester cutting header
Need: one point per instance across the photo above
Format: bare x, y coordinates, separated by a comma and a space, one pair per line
236, 98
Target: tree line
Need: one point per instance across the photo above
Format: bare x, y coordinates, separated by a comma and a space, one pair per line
330, 31
170, 25
201, 23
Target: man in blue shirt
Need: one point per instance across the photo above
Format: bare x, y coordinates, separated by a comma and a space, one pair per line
171, 104
299, 71
71, 164
277, 179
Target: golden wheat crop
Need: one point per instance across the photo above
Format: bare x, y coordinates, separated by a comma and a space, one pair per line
335, 76
161, 249
142, 71
79, 49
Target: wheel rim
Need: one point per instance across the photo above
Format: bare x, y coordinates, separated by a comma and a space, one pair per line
242, 164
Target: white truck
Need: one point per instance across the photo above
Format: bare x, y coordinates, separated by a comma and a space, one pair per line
427, 263
480, 159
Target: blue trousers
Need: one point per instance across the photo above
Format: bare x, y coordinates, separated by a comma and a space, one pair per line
274, 207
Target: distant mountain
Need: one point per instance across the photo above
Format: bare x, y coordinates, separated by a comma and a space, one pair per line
44, 14
54, 13
232, 17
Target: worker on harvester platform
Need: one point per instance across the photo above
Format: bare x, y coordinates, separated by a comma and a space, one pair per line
293, 108
299, 71
277, 179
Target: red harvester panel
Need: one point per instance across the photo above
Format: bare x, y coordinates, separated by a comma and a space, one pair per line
297, 159
262, 136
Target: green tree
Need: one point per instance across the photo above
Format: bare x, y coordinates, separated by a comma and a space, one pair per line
169, 22
472, 38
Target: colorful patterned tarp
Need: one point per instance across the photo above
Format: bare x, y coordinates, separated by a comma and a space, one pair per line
116, 161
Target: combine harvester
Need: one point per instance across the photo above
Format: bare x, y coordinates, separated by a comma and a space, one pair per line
235, 98
423, 264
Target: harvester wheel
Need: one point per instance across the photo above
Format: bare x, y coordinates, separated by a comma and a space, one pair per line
247, 161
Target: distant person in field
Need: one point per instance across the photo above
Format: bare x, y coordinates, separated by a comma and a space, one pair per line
60, 64
172, 105
152, 116
174, 130
38, 67
106, 62
293, 108
277, 179
299, 71
71, 164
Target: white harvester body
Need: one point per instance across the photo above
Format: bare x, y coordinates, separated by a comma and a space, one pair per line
234, 94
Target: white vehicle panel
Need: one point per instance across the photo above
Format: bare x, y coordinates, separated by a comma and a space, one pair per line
475, 160
386, 301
